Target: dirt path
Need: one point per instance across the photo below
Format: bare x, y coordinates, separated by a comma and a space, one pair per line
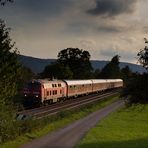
70, 135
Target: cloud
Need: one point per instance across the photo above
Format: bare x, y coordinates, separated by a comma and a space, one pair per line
87, 44
124, 54
109, 8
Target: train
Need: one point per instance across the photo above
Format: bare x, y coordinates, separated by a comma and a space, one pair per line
46, 91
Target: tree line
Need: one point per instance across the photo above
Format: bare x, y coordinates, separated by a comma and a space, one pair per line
74, 63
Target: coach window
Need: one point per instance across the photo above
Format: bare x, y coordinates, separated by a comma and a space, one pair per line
59, 85
55, 92
52, 85
50, 93
47, 93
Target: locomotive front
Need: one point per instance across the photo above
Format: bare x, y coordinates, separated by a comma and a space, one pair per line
32, 92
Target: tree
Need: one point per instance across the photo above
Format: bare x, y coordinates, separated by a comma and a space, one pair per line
112, 69
9, 73
143, 56
78, 61
9, 65
97, 73
126, 73
57, 70
136, 89
3, 2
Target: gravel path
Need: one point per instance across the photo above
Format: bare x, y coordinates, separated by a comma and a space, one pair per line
70, 135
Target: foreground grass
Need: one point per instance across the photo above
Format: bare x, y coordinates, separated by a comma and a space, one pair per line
60, 120
125, 128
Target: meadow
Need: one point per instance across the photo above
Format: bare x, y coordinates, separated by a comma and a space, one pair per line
125, 128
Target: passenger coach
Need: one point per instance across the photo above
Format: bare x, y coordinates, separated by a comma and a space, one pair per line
78, 87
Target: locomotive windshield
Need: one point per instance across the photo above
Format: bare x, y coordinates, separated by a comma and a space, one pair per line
35, 86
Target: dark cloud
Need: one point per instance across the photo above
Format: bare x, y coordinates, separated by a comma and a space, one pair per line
110, 29
109, 8
43, 7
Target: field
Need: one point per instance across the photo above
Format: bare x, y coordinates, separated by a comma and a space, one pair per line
125, 128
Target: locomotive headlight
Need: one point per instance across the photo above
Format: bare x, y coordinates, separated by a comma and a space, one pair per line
25, 95
36, 96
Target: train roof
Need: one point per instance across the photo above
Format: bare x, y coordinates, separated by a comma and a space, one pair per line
78, 82
106, 80
43, 81
114, 80
98, 80
47, 83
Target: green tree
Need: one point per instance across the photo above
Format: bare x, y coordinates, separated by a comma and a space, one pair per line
9, 65
97, 73
143, 56
112, 69
9, 74
78, 61
57, 70
136, 90
126, 73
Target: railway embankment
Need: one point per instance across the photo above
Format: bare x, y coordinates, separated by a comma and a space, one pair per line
49, 124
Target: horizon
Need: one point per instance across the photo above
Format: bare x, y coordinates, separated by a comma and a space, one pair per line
90, 59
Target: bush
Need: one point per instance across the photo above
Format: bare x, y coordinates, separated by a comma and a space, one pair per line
136, 89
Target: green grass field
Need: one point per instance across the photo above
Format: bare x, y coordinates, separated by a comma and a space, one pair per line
125, 128
63, 118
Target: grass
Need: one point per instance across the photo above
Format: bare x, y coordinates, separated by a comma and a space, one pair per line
62, 119
125, 128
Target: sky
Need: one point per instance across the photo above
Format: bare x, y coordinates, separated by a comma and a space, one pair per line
42, 28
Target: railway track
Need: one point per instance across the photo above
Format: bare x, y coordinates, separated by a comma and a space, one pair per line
67, 105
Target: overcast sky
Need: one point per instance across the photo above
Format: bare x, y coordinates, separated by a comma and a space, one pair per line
41, 28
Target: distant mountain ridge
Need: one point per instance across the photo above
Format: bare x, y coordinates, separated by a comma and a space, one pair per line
37, 65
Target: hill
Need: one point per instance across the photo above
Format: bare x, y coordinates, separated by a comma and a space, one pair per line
37, 65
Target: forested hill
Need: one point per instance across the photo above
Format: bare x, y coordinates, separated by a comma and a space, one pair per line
37, 65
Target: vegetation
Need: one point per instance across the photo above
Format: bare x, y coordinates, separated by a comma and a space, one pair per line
78, 61
136, 90
31, 129
9, 72
72, 63
125, 128
57, 70
3, 2
143, 56
111, 70
12, 77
